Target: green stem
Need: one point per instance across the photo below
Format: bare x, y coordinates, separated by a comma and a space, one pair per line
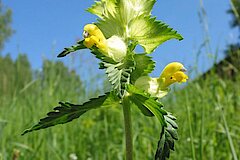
128, 129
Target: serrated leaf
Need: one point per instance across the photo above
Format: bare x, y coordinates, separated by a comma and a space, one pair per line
142, 99
115, 14
144, 66
73, 48
166, 142
67, 112
151, 104
111, 25
151, 33
119, 74
143, 109
171, 122
102, 57
130, 9
97, 8
103, 8
161, 149
132, 20
171, 116
169, 140
172, 132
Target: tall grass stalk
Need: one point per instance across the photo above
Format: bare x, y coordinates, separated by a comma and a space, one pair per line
234, 154
202, 132
234, 10
190, 128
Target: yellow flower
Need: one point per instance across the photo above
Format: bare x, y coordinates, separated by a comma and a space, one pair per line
94, 36
158, 87
113, 47
173, 72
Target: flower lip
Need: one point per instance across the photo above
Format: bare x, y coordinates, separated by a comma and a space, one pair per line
85, 34
183, 69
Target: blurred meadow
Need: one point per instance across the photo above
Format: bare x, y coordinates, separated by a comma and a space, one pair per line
207, 109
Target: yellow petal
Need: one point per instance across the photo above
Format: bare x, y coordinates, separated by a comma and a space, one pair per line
180, 76
94, 36
88, 42
173, 72
93, 30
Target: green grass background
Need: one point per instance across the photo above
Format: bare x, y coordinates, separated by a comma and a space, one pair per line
26, 96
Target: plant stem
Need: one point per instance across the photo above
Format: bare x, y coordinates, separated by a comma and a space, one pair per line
128, 129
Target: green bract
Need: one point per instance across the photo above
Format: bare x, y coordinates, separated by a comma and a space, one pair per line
131, 20
125, 24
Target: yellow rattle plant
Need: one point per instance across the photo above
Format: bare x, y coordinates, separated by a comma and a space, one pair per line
121, 26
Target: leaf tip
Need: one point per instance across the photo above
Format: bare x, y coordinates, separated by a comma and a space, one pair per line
180, 37
25, 132
62, 54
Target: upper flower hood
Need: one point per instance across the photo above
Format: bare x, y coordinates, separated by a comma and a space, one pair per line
93, 36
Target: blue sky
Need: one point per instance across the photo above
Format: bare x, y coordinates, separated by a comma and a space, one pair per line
43, 28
